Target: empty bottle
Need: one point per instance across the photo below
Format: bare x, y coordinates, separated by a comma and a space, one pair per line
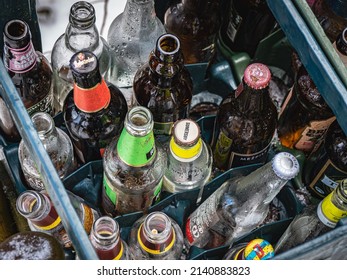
131, 37
81, 34
246, 121
31, 74
42, 216
189, 162
196, 24
156, 236
256, 249
106, 240
58, 146
94, 110
315, 220
164, 85
134, 166
240, 204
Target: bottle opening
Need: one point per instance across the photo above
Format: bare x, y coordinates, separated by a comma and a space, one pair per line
105, 229
168, 44
157, 227
43, 123
139, 121
16, 29
28, 202
82, 14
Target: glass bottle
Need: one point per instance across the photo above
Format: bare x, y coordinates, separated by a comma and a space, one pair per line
189, 161
315, 220
58, 146
31, 74
81, 34
305, 116
240, 204
196, 24
164, 85
156, 236
133, 166
106, 240
256, 249
31, 245
7, 223
340, 45
328, 165
246, 121
42, 216
94, 110
131, 37
332, 16
246, 23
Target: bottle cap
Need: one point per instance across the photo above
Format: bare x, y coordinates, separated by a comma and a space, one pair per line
258, 249
257, 75
285, 165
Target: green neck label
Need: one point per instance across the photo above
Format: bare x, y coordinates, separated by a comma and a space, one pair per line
136, 150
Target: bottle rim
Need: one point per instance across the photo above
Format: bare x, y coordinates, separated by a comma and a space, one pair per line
82, 14
44, 124
29, 202
105, 230
151, 230
139, 121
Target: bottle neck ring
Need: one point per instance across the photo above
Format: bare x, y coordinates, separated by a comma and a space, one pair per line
82, 15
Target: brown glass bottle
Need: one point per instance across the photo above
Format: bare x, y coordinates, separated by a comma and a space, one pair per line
94, 110
340, 45
246, 121
31, 74
328, 165
305, 116
196, 24
332, 16
164, 86
246, 23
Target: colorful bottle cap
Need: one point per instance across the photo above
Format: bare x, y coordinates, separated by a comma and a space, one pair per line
258, 249
285, 165
257, 75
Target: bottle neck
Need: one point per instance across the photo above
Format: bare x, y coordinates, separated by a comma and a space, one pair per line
341, 43
105, 237
200, 6
45, 128
144, 12
339, 7
156, 234
136, 144
38, 208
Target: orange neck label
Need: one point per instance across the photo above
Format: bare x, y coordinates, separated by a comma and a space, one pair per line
93, 99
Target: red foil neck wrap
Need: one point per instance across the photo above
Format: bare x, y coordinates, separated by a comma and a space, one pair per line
257, 76
92, 99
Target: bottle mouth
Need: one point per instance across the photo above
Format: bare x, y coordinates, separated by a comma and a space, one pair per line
16, 29
168, 44
157, 228
82, 14
106, 230
28, 203
43, 123
139, 121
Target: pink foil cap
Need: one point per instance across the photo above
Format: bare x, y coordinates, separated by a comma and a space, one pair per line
257, 75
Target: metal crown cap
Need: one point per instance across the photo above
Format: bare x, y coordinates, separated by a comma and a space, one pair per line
259, 249
257, 75
186, 132
285, 165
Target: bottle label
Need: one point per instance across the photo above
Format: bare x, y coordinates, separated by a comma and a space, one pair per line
44, 105
21, 60
89, 215
328, 213
222, 149
93, 99
312, 135
237, 159
161, 128
110, 193
136, 151
327, 179
234, 24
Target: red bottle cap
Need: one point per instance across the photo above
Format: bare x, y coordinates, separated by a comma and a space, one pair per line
257, 76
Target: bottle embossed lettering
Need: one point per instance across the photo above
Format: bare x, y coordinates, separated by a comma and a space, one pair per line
246, 122
94, 110
31, 74
133, 166
240, 204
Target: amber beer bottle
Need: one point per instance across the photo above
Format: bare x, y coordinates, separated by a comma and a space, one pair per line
328, 165
94, 110
246, 121
31, 74
305, 116
196, 24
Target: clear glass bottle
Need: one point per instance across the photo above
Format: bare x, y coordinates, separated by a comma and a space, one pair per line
240, 204
196, 24
42, 216
106, 240
164, 85
246, 121
305, 116
134, 166
94, 110
131, 37
256, 249
328, 165
58, 146
189, 162
81, 34
315, 220
340, 45
31, 74
156, 236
